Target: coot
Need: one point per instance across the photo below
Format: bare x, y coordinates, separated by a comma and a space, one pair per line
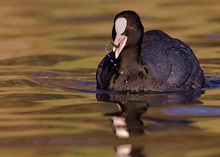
150, 61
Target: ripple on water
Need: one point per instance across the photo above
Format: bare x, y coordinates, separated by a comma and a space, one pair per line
192, 111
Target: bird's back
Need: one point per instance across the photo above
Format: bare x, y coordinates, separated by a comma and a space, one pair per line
171, 63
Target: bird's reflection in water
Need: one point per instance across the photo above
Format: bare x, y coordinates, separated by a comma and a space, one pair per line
126, 150
127, 121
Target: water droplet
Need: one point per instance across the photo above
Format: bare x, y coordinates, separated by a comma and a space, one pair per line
108, 49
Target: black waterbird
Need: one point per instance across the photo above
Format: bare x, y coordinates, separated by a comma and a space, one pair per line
150, 61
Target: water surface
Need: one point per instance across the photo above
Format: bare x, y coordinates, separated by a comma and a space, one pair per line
49, 51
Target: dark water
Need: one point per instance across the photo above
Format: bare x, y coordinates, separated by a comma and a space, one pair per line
49, 51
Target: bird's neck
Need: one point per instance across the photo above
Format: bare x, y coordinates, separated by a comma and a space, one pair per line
129, 58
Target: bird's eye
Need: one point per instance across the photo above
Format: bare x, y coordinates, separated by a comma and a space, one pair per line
130, 25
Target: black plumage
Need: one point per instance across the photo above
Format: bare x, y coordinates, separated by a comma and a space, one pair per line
150, 61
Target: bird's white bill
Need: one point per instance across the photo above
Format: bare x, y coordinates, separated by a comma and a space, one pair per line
120, 25
120, 41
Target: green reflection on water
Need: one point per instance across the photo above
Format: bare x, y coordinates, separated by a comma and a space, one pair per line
49, 51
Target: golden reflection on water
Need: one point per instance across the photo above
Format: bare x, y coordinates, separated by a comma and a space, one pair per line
49, 51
